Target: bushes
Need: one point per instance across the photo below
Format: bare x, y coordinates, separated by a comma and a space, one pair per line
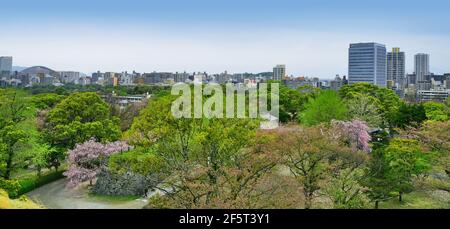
30, 183
12, 187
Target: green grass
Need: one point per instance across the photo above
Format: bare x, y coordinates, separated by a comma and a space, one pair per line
112, 199
416, 200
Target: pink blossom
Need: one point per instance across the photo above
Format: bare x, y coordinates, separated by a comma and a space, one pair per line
86, 160
357, 133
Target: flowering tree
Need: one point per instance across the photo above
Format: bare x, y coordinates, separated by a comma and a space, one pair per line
87, 159
356, 132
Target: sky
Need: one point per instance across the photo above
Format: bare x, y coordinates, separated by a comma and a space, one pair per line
310, 36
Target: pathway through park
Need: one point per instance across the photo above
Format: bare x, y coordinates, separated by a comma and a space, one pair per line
57, 196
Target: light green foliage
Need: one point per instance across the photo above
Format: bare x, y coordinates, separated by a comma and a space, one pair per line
385, 99
405, 160
292, 102
365, 108
12, 187
345, 190
46, 101
189, 148
436, 111
326, 107
21, 203
14, 113
78, 118
140, 160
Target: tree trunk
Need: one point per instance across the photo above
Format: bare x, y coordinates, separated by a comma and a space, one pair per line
376, 204
400, 196
308, 200
9, 164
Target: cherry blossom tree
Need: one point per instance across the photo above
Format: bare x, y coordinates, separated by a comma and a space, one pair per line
86, 160
356, 132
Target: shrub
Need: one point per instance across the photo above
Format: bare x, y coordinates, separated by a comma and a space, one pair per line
12, 187
28, 184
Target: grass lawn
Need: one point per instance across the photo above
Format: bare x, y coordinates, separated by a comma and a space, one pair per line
112, 199
416, 200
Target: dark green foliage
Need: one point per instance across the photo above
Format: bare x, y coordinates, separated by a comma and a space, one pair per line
291, 103
78, 118
377, 178
28, 184
409, 115
119, 90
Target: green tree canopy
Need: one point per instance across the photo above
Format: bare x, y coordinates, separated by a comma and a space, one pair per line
385, 99
78, 118
436, 111
365, 108
326, 107
408, 115
405, 159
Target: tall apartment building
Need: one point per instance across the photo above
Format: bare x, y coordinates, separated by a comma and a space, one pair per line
421, 67
367, 63
69, 77
5, 66
279, 72
396, 68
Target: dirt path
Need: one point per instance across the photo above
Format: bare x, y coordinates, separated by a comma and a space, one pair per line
57, 196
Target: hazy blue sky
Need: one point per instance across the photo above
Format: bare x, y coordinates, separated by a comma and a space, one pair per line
310, 36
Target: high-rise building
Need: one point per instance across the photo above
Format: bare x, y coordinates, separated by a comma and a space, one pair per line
5, 65
447, 81
367, 63
396, 67
279, 72
421, 67
67, 77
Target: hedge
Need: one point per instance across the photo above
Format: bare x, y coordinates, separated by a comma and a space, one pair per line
28, 184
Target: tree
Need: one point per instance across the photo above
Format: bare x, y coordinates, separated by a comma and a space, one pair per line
377, 178
127, 114
13, 112
346, 191
385, 99
355, 133
409, 115
291, 102
207, 161
326, 107
365, 108
436, 111
393, 168
46, 101
405, 159
78, 118
86, 160
312, 154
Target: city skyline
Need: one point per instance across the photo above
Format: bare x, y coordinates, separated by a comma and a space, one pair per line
311, 38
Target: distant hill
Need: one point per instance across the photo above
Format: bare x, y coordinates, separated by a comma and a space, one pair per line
18, 68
